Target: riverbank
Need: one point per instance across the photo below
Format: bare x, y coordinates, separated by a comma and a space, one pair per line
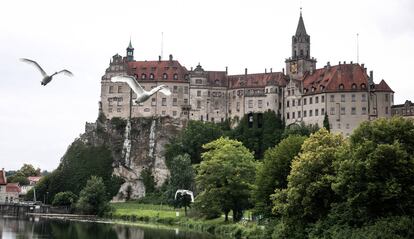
165, 215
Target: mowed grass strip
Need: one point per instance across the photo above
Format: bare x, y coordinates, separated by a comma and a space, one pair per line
146, 210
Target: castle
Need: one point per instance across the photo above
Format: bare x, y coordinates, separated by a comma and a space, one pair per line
345, 92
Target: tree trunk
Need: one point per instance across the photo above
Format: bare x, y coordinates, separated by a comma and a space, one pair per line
226, 218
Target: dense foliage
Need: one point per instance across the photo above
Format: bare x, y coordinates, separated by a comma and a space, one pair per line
21, 175
181, 176
93, 199
225, 178
64, 199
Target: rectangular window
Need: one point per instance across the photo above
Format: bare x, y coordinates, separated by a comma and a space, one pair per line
353, 97
287, 104
185, 101
293, 115
250, 103
332, 111
111, 89
310, 113
110, 109
316, 99
342, 110
332, 98
298, 114
293, 102
298, 102
238, 106
153, 102
185, 89
323, 111
304, 113
174, 101
342, 98
175, 89
164, 101
120, 89
199, 93
363, 97
287, 115
110, 101
323, 99
310, 100
353, 111
387, 98
316, 112
198, 104
386, 110
260, 103
304, 101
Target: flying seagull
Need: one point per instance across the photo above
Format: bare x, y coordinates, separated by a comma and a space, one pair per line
46, 78
142, 95
184, 192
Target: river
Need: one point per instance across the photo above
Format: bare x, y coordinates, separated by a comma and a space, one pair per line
22, 228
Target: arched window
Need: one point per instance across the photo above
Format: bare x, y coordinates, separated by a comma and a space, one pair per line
322, 87
354, 86
301, 52
143, 76
151, 76
363, 86
341, 86
313, 89
295, 53
165, 76
175, 77
186, 76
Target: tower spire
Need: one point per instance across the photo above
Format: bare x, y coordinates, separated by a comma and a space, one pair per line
130, 51
301, 30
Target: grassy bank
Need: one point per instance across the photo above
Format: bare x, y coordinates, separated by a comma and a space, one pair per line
162, 214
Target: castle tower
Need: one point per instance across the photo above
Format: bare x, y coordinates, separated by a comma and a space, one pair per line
130, 52
300, 62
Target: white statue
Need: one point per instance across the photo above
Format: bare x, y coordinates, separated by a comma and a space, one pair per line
142, 95
46, 78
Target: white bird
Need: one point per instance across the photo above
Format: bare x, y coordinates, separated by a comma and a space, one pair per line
184, 192
142, 95
46, 78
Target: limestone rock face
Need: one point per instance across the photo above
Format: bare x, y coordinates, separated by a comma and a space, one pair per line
136, 145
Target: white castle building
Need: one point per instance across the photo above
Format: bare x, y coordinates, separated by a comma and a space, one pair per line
345, 92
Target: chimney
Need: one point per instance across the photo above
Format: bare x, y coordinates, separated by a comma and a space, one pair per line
328, 64
245, 71
365, 69
159, 58
344, 62
271, 70
227, 70
339, 63
362, 65
265, 70
371, 76
283, 71
171, 57
352, 62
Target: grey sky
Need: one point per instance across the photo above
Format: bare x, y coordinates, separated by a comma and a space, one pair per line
38, 123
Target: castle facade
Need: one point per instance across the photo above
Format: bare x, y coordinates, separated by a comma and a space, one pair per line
304, 93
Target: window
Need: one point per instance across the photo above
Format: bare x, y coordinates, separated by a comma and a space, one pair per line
120, 89
347, 126
175, 89
288, 92
298, 102
353, 98
353, 111
201, 118
310, 100
323, 111
342, 110
175, 77
293, 102
174, 101
323, 99
293, 115
354, 86
143, 76
163, 112
250, 103
287, 115
260, 103
119, 100
386, 110
298, 114
304, 101
186, 76
151, 76
238, 106
310, 113
316, 99
110, 109
316, 112
199, 93
165, 76
185, 89
153, 102
304, 113
293, 92
339, 125
342, 98
198, 104
199, 81
174, 113
147, 110
363, 86
185, 101
111, 89
387, 96
287, 104
110, 101
332, 111
164, 101
118, 109
341, 86
363, 97
332, 98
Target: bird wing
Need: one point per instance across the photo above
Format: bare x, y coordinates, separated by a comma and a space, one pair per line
166, 91
35, 64
130, 80
66, 72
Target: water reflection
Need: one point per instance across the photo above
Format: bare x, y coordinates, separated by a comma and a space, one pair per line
13, 228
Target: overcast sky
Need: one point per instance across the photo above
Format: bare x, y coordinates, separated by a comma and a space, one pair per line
38, 123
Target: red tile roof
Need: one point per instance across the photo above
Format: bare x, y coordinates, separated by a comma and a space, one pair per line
383, 86
217, 78
257, 80
344, 77
158, 68
34, 179
3, 179
13, 188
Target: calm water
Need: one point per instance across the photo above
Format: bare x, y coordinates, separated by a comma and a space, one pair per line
11, 228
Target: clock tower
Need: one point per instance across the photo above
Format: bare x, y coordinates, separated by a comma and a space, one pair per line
300, 62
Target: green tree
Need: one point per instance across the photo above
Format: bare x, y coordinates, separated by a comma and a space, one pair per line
93, 199
191, 139
274, 172
27, 170
181, 175
300, 129
225, 178
326, 124
309, 195
64, 199
18, 178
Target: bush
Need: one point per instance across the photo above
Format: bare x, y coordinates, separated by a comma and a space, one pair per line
64, 199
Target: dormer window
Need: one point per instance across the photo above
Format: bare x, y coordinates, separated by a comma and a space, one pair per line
354, 86
363, 86
321, 87
151, 76
175, 77
305, 90
186, 76
165, 76
217, 82
341, 86
313, 89
143, 76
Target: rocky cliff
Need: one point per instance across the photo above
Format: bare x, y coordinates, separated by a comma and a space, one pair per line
137, 144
